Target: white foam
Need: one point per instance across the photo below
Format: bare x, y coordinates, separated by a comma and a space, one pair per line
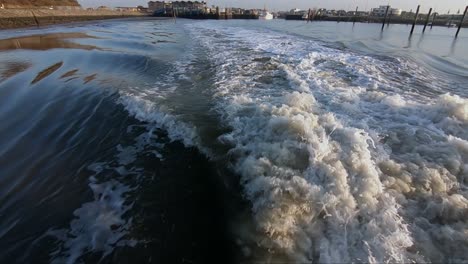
147, 111
341, 164
98, 225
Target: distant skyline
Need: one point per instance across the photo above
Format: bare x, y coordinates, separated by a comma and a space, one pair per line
283, 5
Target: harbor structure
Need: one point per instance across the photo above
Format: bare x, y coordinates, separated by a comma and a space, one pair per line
378, 15
384, 14
197, 10
165, 7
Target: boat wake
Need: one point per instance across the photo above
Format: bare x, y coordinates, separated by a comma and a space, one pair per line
340, 159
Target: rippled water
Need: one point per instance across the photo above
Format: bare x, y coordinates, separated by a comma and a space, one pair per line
233, 141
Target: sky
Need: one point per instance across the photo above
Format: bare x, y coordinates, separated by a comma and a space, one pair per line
441, 6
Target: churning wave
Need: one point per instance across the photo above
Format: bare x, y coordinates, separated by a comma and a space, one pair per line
344, 157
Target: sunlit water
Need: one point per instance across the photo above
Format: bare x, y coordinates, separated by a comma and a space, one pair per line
233, 141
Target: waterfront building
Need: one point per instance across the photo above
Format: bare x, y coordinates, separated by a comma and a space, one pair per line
381, 10
189, 6
178, 6
154, 6
241, 11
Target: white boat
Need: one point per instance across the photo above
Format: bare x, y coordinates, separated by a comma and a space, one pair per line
266, 15
450, 24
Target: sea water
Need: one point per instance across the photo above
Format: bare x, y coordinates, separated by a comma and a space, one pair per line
233, 141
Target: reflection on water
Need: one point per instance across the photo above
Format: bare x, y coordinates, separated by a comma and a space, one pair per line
10, 69
46, 42
89, 78
421, 38
69, 74
409, 42
47, 72
452, 47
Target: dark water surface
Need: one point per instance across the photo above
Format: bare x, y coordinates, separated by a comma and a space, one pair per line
233, 141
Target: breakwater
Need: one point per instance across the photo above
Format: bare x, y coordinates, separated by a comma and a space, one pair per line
16, 18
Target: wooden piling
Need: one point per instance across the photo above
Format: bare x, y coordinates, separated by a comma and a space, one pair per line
415, 19
308, 16
385, 17
461, 22
173, 13
35, 19
427, 19
389, 18
355, 15
433, 19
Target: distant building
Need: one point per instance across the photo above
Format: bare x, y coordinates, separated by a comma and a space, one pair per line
237, 11
189, 5
178, 6
296, 11
395, 11
381, 10
241, 11
142, 9
157, 5
103, 8
341, 13
126, 9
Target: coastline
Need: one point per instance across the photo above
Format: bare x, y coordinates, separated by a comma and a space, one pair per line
23, 18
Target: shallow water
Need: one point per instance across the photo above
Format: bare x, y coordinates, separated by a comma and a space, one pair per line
200, 141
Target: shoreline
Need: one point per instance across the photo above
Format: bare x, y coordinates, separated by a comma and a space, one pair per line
27, 18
